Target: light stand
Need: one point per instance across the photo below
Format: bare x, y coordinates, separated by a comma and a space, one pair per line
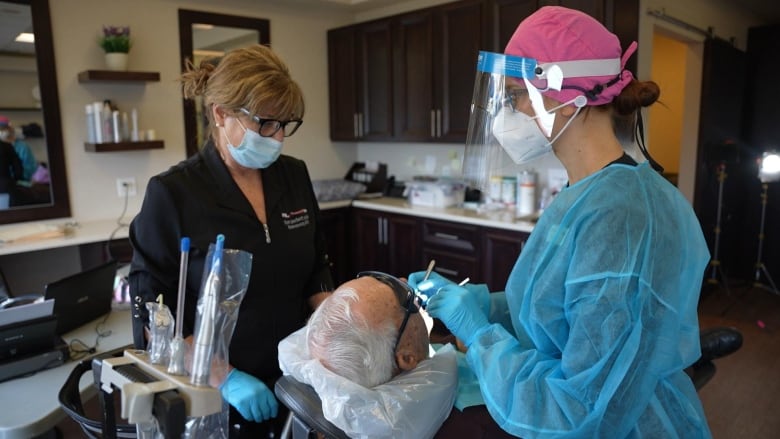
716, 269
769, 171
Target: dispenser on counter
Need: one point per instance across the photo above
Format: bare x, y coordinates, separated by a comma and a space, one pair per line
371, 174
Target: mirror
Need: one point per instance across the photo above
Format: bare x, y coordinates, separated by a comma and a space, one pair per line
204, 35
37, 111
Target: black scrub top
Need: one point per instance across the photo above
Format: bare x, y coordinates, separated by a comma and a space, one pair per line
199, 199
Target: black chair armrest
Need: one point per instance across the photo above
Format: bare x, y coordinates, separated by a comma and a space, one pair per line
306, 407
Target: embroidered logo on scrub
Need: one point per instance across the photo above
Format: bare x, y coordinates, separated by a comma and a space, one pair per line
296, 219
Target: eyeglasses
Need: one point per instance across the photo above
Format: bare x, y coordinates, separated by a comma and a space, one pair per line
514, 97
269, 127
405, 295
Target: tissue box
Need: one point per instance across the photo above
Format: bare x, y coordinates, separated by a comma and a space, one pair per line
439, 193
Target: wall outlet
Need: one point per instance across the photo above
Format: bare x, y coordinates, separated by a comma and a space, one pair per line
125, 187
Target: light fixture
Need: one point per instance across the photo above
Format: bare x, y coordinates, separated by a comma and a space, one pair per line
769, 167
768, 172
25, 37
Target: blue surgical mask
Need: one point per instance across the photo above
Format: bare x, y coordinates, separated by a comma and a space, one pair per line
255, 151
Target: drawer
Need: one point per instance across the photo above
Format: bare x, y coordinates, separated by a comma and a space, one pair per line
452, 266
462, 237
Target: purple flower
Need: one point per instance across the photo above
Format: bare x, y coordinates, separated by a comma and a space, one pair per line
115, 39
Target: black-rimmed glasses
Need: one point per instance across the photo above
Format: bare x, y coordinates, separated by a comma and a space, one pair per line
269, 127
405, 295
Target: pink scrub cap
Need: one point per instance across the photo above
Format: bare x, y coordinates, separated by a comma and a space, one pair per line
556, 34
4, 122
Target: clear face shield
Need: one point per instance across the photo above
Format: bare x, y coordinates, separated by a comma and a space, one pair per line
509, 123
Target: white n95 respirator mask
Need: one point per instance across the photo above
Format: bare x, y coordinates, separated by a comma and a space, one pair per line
519, 136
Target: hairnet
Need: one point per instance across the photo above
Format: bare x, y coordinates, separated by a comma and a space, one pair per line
557, 34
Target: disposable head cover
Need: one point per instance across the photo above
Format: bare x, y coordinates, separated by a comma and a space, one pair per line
413, 404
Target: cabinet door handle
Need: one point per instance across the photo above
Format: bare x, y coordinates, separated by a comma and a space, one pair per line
446, 236
379, 230
448, 272
385, 229
433, 123
360, 125
438, 123
355, 125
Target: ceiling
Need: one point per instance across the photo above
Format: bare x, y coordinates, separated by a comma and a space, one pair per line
14, 19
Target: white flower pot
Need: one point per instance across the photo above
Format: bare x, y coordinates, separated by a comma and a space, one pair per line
116, 61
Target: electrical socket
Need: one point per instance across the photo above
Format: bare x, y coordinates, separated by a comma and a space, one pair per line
125, 185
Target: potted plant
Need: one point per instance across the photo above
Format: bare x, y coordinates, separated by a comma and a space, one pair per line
116, 43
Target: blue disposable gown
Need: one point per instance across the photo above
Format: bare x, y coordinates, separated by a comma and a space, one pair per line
603, 313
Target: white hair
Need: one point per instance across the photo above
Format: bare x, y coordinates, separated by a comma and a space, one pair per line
345, 344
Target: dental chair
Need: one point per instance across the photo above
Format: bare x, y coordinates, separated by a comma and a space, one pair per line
306, 418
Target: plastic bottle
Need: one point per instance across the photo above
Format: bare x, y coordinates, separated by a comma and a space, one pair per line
508, 191
526, 193
494, 195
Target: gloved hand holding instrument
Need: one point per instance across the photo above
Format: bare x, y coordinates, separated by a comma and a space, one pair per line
428, 284
461, 309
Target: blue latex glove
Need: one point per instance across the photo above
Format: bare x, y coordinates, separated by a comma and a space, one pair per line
428, 286
460, 310
250, 396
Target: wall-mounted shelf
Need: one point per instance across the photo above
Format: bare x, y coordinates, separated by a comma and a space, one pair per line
4, 109
124, 146
113, 75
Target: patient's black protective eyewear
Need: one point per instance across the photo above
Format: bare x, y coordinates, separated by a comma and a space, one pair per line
405, 295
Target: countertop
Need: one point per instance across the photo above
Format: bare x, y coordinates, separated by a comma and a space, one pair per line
102, 230
497, 218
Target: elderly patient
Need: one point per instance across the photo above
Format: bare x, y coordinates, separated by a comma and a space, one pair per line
366, 352
362, 334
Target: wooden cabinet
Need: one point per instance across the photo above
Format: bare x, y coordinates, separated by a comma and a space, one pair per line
410, 77
619, 16
407, 77
360, 82
385, 242
401, 244
335, 227
505, 15
500, 250
435, 54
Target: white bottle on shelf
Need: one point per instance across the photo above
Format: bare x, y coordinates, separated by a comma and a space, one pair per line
134, 131
97, 114
90, 123
108, 130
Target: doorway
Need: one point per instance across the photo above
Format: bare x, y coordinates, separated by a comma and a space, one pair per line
674, 121
205, 35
